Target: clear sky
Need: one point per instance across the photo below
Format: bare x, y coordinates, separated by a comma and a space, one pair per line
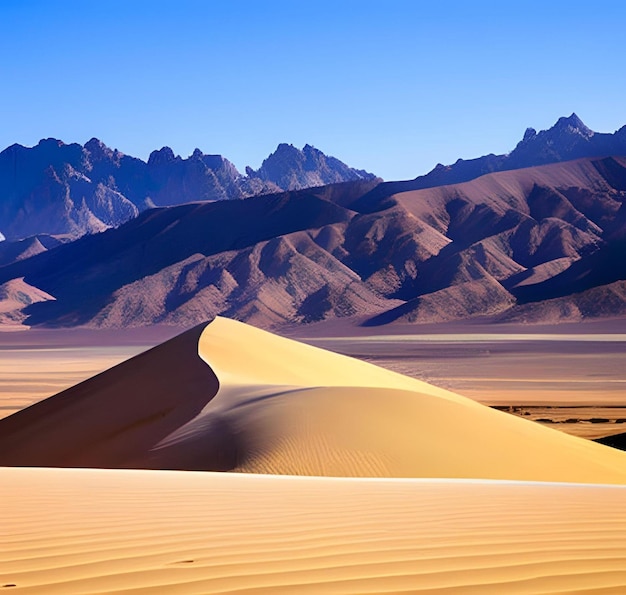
390, 86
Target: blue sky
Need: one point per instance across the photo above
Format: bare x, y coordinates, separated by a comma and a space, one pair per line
392, 87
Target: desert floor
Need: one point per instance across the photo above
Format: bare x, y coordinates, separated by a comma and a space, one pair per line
74, 531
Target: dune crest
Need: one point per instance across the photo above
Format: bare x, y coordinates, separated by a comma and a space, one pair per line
296, 409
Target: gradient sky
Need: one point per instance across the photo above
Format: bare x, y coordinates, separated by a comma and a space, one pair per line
393, 87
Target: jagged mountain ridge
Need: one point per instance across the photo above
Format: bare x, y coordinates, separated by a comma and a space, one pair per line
292, 169
496, 246
180, 263
68, 190
567, 140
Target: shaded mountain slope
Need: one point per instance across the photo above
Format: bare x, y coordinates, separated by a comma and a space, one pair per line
70, 190
513, 235
15, 296
603, 301
186, 262
50, 189
11, 252
494, 246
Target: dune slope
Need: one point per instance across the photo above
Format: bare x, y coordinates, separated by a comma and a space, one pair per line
296, 409
114, 418
265, 404
81, 531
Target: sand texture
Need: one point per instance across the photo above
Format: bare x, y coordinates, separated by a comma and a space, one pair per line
112, 419
256, 402
73, 531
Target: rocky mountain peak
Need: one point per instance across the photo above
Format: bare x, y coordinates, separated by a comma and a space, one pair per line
293, 169
284, 150
81, 189
573, 125
284, 147
98, 150
162, 156
13, 149
566, 140
50, 143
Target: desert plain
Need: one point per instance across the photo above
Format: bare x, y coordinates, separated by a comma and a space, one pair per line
232, 460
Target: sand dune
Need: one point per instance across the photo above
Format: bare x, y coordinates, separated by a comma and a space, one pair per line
301, 410
226, 396
101, 531
287, 408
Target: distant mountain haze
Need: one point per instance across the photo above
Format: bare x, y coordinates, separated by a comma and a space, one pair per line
71, 190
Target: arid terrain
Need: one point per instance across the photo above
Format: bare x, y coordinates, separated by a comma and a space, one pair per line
410, 487
542, 244
312, 298
440, 405
78, 531
570, 377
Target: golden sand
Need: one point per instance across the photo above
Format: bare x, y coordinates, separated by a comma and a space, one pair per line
233, 396
260, 403
100, 531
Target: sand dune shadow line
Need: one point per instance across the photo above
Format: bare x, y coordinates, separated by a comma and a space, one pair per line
114, 419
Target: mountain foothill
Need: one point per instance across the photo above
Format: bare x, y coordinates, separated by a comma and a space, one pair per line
100, 239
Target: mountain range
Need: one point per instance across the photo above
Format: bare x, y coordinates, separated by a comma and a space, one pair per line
568, 139
538, 243
68, 190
